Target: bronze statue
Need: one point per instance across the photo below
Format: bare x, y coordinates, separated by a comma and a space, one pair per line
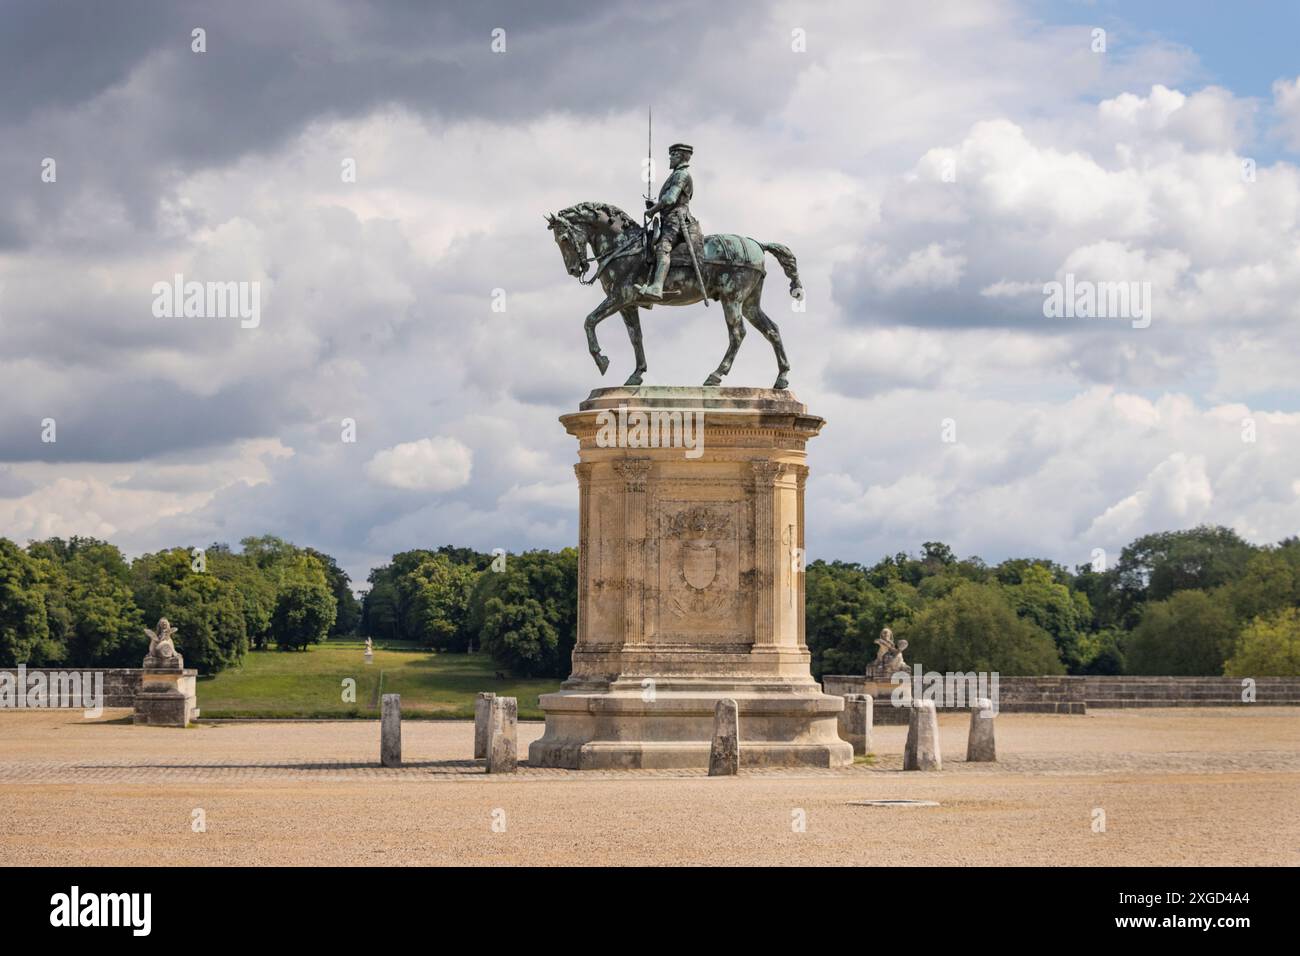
675, 219
729, 268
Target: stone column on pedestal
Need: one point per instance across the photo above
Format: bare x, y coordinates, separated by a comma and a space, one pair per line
690, 581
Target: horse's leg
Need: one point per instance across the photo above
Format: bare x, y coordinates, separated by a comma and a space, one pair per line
767, 328
598, 315
632, 319
735, 333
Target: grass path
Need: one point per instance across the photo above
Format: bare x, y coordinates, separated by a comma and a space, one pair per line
311, 683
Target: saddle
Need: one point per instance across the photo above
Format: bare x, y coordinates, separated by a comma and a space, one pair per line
718, 249
679, 254
714, 250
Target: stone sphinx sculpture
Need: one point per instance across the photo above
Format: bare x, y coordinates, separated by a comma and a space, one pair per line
889, 657
166, 696
162, 648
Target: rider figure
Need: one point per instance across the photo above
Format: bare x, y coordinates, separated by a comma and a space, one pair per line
676, 223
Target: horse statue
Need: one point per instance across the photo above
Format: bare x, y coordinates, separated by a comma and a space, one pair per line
731, 269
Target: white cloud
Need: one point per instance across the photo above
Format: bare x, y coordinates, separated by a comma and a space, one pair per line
930, 268
1211, 118
1286, 103
429, 464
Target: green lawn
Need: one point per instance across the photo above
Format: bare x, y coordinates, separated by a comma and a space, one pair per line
310, 683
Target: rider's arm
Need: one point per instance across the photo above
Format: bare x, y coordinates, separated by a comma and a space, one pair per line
669, 194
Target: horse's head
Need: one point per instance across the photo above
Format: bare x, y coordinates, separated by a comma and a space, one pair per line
572, 240
602, 225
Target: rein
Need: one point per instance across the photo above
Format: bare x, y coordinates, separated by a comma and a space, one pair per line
619, 251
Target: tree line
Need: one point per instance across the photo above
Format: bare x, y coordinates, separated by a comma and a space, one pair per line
80, 603
520, 609
1201, 601
1196, 602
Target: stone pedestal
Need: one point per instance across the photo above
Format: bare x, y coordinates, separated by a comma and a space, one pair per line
503, 738
690, 584
981, 746
856, 723
724, 754
922, 751
166, 697
390, 730
482, 721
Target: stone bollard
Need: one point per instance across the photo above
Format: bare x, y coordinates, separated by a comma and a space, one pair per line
980, 746
503, 745
390, 731
922, 749
482, 714
855, 722
724, 752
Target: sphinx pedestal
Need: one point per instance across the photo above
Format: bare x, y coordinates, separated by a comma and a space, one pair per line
166, 698
690, 584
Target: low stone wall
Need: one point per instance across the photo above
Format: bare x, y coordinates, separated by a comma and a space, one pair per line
1190, 691
1074, 695
120, 683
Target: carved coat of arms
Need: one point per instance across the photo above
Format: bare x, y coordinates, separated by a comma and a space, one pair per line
698, 566
699, 563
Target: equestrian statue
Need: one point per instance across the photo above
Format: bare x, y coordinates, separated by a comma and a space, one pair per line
664, 260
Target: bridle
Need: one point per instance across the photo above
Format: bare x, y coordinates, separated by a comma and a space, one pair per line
624, 248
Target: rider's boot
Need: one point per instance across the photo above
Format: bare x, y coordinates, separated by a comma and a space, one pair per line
655, 288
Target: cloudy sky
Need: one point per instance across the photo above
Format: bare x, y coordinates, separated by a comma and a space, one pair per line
931, 165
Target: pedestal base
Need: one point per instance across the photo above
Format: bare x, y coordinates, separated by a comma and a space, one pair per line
690, 584
619, 728
166, 699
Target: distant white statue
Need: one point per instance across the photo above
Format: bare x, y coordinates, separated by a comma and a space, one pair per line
370, 650
162, 648
889, 656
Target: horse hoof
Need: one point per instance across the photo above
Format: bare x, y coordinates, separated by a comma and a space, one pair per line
602, 363
633, 380
781, 382
714, 379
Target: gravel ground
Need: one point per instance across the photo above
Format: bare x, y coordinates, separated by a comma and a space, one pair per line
1197, 787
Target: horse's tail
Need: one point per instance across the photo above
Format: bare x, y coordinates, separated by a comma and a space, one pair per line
791, 268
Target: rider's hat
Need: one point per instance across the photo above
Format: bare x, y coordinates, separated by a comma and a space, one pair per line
688, 150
